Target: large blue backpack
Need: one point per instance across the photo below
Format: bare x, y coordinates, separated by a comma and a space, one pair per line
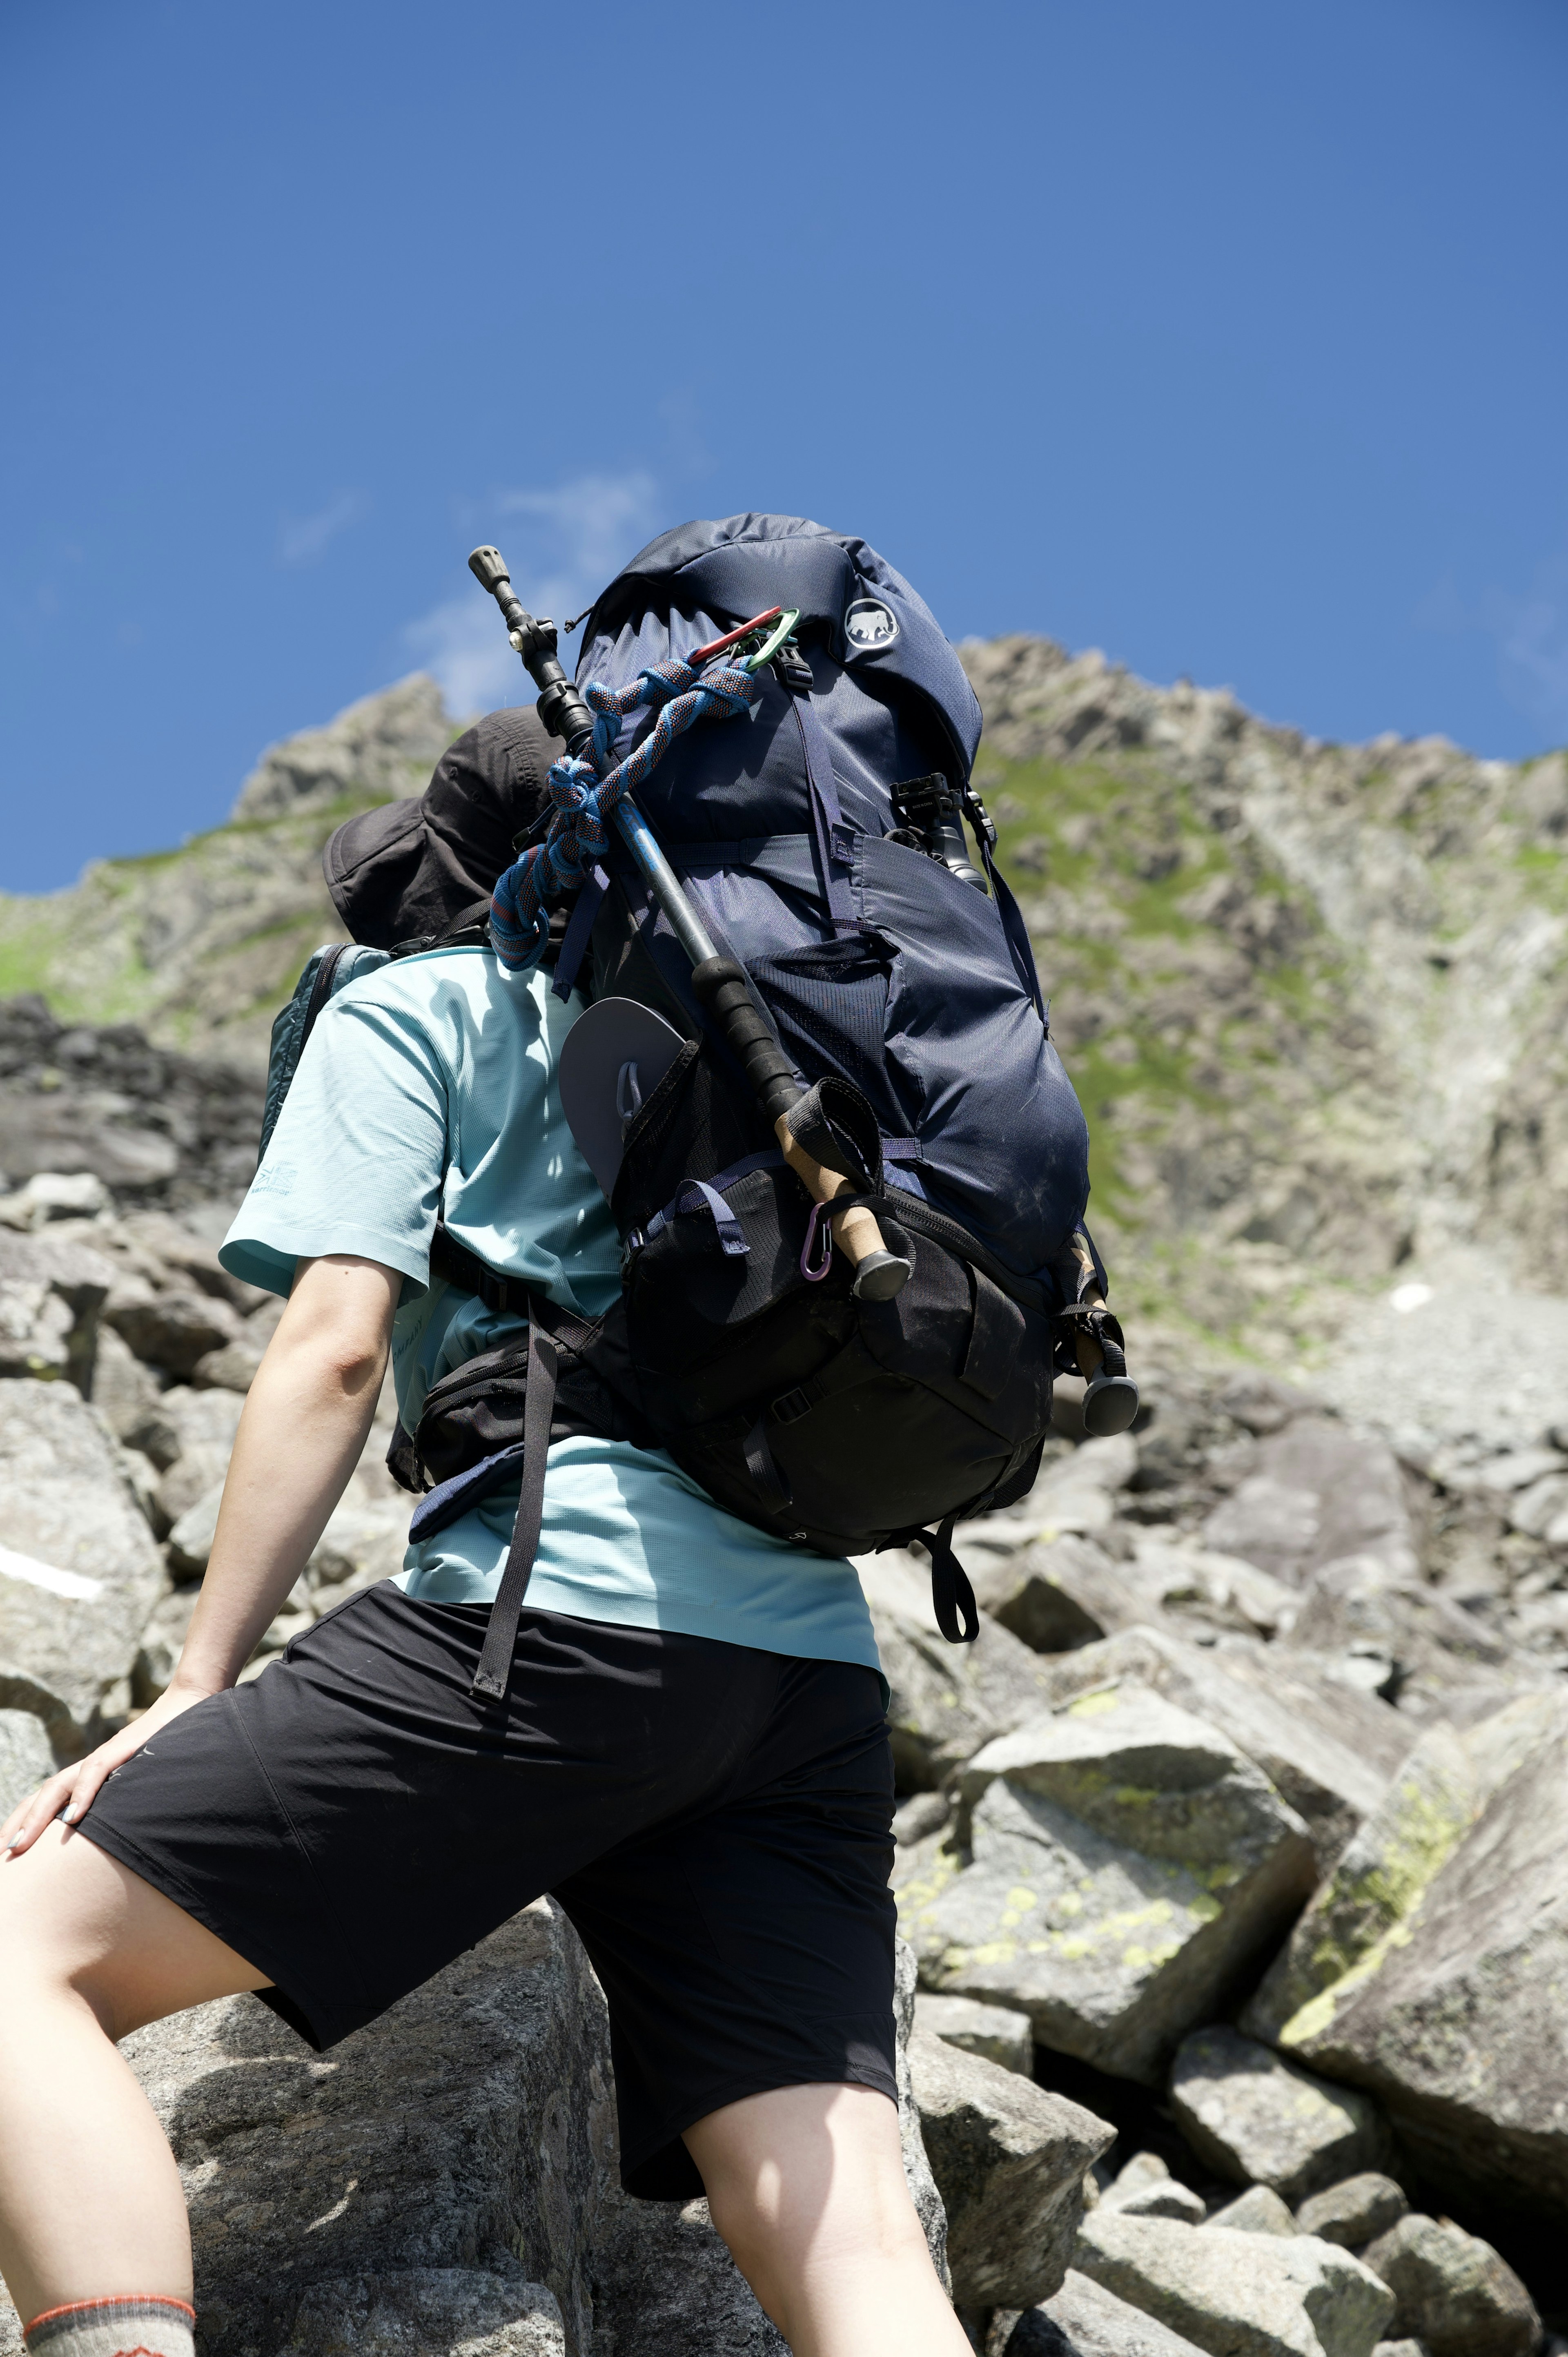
819, 836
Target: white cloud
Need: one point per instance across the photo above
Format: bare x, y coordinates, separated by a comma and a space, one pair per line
464, 644
304, 539
576, 539
569, 543
1532, 633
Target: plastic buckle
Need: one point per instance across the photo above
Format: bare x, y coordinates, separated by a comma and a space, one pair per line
790, 1408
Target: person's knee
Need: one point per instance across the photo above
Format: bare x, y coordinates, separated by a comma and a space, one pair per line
58, 1936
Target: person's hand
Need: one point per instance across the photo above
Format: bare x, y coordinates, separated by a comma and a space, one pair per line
72, 1793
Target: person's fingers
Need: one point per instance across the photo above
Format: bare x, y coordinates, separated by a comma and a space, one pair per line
26, 1823
91, 1775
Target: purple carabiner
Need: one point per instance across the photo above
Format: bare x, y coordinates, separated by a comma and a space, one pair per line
817, 1226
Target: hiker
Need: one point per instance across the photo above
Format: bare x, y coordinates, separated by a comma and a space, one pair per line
634, 1667
692, 1756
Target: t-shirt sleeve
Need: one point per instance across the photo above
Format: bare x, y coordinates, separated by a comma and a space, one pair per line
356, 1161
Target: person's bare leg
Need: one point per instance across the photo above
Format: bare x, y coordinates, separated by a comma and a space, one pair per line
90, 2204
806, 2185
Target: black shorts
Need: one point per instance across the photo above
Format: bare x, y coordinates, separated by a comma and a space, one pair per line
713, 1820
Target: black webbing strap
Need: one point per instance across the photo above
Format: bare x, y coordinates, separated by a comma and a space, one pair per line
763, 1466
491, 1677
951, 1593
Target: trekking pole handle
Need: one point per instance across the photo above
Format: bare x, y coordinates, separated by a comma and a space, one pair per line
561, 708
723, 987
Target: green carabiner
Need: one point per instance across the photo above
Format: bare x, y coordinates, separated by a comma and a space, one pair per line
775, 640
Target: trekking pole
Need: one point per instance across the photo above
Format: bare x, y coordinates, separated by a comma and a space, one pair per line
721, 983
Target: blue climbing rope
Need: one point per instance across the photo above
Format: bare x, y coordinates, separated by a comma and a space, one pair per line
585, 790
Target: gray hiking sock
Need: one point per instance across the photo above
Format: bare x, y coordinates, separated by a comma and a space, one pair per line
140, 2324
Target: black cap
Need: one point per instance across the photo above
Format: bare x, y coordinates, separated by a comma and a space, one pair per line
409, 868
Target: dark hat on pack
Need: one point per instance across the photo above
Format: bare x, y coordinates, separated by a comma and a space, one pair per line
411, 868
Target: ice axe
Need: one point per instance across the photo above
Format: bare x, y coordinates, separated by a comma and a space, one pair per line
721, 983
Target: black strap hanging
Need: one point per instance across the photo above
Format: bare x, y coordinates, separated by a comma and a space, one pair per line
491, 1677
957, 1615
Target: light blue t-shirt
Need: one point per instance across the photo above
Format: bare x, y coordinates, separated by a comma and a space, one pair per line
431, 1085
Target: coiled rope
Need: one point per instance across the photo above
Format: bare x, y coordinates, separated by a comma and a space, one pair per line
585, 790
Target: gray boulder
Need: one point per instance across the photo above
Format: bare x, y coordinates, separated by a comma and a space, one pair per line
1429, 1970
994, 2032
1057, 1595
1168, 2198
1329, 1754
947, 1700
1084, 2321
1354, 2212
1454, 2292
1259, 2211
52, 1290
173, 1330
124, 1393
1009, 2161
1427, 1649
470, 2129
1317, 1492
1261, 2121
458, 2311
1237, 2295
78, 1572
1115, 1869
26, 1758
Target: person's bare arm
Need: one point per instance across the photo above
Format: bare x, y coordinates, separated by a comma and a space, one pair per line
304, 1426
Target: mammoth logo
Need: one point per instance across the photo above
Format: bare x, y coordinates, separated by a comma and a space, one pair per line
869, 624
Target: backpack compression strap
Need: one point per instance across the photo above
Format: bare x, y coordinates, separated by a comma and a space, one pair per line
491, 1677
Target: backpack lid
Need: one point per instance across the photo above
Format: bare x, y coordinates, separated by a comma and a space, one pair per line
408, 868
872, 618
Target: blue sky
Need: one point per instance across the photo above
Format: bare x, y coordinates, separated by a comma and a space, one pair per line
1231, 337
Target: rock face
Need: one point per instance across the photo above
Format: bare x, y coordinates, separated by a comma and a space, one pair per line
379, 749
1290, 1077
947, 1699
1261, 2121
1435, 1958
1354, 2211
994, 2032
51, 1293
1124, 1864
472, 2312
1009, 2161
1319, 1493
468, 2133
1323, 1754
153, 1124
78, 1572
199, 945
1454, 2292
1083, 2320
1237, 2295
1259, 2211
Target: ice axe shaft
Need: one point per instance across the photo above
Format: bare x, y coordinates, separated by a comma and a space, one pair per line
725, 989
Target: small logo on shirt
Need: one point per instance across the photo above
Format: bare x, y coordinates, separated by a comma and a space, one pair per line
869, 624
274, 1178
